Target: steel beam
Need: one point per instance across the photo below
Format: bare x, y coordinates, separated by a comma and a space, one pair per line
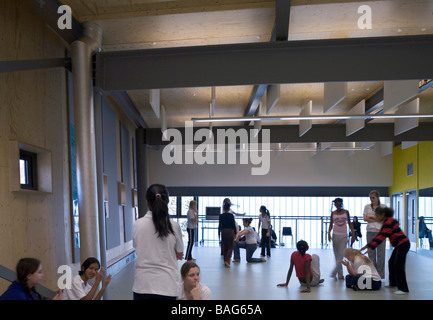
24, 65
280, 32
354, 59
282, 18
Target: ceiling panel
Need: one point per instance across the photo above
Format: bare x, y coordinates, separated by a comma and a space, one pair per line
145, 24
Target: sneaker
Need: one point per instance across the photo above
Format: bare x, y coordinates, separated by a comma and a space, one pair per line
400, 292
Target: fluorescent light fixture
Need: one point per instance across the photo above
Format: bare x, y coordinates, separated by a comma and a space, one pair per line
247, 148
312, 117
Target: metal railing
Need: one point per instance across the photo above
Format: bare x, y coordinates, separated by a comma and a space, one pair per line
313, 229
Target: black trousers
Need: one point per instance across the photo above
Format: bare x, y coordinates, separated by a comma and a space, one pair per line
396, 266
149, 296
265, 243
188, 255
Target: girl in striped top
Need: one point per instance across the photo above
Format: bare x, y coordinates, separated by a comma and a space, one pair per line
391, 229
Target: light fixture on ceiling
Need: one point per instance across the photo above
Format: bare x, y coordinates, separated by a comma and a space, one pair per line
287, 149
314, 117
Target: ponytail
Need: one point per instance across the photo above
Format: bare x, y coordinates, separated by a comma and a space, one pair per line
265, 210
158, 198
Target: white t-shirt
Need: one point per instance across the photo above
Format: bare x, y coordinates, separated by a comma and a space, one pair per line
156, 270
372, 226
190, 215
78, 289
250, 236
360, 267
204, 292
265, 220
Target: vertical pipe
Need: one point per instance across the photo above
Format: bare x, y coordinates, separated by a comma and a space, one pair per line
100, 183
81, 54
142, 170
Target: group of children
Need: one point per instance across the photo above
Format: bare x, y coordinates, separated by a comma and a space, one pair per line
86, 284
363, 272
230, 236
29, 274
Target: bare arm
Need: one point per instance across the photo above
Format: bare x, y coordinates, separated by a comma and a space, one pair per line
98, 279
289, 275
331, 223
368, 217
195, 216
349, 267
351, 228
241, 233
104, 286
307, 276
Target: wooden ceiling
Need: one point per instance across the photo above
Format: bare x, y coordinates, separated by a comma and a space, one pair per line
147, 24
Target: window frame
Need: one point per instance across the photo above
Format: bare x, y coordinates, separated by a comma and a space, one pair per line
31, 170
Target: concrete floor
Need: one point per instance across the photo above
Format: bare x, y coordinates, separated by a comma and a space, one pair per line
247, 281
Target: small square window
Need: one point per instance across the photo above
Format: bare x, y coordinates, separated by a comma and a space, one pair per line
409, 171
28, 170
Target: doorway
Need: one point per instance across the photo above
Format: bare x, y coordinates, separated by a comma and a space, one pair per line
411, 222
397, 206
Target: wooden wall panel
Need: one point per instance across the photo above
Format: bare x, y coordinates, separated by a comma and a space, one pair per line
33, 110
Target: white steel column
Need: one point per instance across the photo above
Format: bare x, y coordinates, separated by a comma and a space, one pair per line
81, 52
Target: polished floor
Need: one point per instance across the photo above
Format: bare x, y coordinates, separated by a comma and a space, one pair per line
249, 281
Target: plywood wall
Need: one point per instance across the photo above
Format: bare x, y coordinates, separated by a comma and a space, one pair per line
33, 111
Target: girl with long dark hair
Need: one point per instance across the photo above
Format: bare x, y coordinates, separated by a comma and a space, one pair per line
227, 231
337, 232
29, 274
81, 289
158, 244
265, 223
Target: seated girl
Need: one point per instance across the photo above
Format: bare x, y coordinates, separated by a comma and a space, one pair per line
191, 288
81, 289
362, 273
307, 267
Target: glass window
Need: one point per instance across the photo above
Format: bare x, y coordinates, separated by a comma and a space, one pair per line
28, 169
307, 216
185, 205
